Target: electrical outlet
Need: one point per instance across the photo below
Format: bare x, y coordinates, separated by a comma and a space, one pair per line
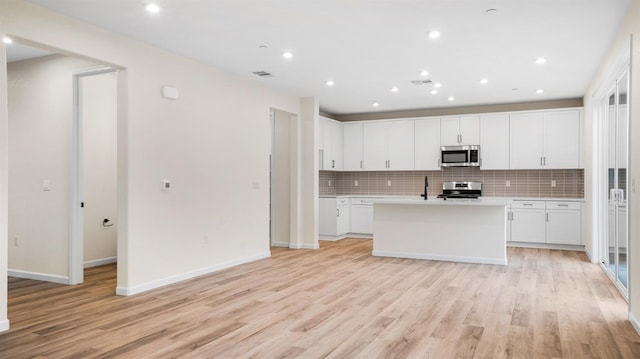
388, 183
329, 183
553, 183
166, 185
507, 184
355, 183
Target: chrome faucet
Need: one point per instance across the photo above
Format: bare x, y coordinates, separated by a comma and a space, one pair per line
426, 185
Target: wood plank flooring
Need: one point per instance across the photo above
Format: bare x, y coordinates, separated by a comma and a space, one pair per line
336, 302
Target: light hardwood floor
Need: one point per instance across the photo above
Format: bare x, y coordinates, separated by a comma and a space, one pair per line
336, 302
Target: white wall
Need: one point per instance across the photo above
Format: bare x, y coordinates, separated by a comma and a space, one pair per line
99, 166
40, 137
213, 144
630, 25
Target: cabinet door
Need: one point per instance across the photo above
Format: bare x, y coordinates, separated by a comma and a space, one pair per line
450, 131
470, 130
362, 219
343, 221
563, 227
352, 146
375, 145
528, 226
494, 142
336, 146
400, 147
562, 139
327, 215
427, 144
325, 144
525, 140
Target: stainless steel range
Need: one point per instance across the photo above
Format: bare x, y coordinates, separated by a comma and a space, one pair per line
461, 190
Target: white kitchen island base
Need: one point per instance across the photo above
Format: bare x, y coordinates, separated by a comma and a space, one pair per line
472, 231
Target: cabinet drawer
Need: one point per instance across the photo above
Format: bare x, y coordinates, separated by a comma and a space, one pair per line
357, 201
527, 205
342, 201
564, 205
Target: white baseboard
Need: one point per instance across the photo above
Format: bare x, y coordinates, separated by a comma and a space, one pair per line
589, 255
634, 322
127, 291
100, 262
304, 246
280, 244
564, 247
4, 325
332, 238
38, 276
436, 257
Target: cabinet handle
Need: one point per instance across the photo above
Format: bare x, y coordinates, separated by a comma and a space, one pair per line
540, 161
563, 205
338, 212
547, 215
361, 164
527, 204
333, 163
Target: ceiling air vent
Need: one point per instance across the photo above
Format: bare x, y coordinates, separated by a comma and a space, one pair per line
262, 73
421, 82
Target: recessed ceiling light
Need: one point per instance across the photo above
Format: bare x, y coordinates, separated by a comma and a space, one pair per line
330, 83
263, 46
287, 55
434, 34
434, 92
424, 73
541, 60
375, 104
451, 98
484, 81
539, 91
7, 40
152, 8
395, 89
437, 85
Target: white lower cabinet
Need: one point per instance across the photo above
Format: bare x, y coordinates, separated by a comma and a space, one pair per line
552, 222
333, 216
361, 216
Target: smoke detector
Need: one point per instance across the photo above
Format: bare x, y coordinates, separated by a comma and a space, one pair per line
263, 74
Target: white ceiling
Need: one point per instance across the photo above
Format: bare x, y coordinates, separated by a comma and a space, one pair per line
368, 46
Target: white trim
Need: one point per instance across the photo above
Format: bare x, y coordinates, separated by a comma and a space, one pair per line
634, 322
436, 257
38, 276
127, 291
100, 262
304, 246
589, 255
564, 247
332, 238
280, 244
4, 325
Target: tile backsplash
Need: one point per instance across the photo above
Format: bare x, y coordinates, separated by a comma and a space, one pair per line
523, 183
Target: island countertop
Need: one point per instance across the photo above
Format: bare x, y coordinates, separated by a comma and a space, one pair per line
498, 202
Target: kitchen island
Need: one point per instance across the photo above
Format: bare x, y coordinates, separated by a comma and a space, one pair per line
457, 230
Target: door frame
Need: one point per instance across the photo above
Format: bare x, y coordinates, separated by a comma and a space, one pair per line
76, 217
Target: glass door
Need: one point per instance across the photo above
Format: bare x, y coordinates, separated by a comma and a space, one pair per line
616, 115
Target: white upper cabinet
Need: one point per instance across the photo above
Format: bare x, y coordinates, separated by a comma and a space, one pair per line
562, 139
352, 145
388, 145
427, 144
375, 145
400, 145
330, 144
457, 131
546, 140
494, 142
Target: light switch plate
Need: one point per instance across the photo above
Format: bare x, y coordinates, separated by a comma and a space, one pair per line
166, 185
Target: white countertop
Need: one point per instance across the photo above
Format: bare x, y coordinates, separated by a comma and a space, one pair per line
442, 202
398, 197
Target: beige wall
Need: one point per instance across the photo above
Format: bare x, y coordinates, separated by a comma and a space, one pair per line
40, 138
281, 179
99, 167
630, 25
213, 144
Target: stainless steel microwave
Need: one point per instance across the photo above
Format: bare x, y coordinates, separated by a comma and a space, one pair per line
460, 156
